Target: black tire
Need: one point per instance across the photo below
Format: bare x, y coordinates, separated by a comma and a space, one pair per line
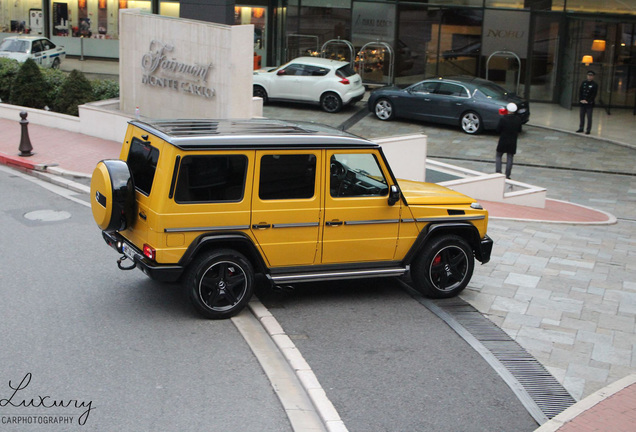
220, 283
444, 268
331, 102
471, 123
383, 109
56, 64
260, 92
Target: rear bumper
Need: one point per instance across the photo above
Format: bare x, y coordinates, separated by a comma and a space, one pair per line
160, 272
354, 96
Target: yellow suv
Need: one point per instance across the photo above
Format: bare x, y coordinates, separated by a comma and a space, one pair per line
212, 203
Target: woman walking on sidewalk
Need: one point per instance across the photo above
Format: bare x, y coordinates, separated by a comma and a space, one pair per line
509, 128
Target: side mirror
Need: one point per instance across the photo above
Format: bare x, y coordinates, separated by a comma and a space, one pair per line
280, 72
394, 195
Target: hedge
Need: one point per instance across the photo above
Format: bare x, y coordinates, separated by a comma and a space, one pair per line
52, 88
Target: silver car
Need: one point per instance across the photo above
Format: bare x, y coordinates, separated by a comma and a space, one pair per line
40, 49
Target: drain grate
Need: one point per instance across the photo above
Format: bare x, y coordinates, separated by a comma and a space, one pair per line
541, 394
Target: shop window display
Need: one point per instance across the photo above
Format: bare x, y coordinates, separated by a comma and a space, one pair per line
95, 19
24, 16
258, 17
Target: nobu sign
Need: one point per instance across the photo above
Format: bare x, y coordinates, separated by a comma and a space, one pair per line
169, 73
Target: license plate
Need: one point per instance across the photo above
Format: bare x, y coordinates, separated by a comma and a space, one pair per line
128, 251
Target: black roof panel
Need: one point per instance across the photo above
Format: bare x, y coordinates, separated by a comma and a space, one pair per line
191, 134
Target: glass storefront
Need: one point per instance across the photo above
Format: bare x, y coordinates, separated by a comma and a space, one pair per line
544, 57
25, 16
257, 16
609, 49
424, 39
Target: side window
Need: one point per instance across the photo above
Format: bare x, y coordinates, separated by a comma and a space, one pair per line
356, 175
315, 70
426, 87
294, 69
287, 176
451, 90
36, 47
211, 178
142, 161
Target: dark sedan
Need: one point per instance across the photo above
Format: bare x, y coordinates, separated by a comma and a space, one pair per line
475, 104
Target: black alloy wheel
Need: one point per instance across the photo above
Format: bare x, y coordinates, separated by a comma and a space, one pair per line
444, 268
220, 283
331, 102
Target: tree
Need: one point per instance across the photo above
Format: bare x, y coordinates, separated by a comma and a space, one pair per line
76, 90
28, 86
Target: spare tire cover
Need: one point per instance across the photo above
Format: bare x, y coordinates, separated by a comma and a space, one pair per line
112, 195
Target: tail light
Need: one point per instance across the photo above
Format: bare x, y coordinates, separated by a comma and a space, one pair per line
345, 81
503, 111
149, 252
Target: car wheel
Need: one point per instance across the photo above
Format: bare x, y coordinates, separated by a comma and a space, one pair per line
384, 109
220, 283
444, 268
260, 92
331, 102
112, 195
471, 123
56, 64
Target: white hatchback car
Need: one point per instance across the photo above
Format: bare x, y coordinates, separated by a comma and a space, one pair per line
331, 84
40, 49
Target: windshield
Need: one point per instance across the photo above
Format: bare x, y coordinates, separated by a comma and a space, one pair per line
12, 45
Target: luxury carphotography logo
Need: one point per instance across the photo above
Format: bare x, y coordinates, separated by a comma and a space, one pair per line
20, 405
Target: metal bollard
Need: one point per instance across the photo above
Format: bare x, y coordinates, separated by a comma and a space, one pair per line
25, 143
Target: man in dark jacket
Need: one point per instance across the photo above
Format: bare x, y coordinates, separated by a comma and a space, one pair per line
509, 128
587, 94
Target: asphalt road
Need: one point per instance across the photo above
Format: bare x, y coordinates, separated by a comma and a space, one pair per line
132, 354
127, 353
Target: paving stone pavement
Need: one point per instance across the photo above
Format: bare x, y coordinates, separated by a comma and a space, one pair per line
565, 292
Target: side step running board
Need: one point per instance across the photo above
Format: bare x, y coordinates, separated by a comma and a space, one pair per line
335, 275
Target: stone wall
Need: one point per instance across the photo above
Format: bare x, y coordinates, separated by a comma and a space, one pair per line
178, 68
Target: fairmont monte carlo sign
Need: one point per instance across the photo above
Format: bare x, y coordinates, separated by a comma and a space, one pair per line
162, 72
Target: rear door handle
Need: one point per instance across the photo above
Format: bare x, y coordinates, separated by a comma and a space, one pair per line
334, 223
261, 226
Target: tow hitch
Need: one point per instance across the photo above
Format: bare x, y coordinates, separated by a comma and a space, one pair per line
122, 259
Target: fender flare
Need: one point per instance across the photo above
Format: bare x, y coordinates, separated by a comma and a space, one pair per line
231, 240
465, 230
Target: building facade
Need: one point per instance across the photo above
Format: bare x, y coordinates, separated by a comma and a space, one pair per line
539, 48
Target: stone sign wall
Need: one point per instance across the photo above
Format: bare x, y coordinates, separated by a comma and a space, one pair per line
178, 68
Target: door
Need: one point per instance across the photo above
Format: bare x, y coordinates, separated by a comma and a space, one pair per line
288, 82
609, 46
359, 224
419, 101
286, 206
451, 102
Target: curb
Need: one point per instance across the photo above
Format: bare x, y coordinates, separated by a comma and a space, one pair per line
18, 162
301, 368
589, 402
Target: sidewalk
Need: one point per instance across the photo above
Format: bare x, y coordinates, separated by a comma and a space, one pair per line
75, 154
612, 409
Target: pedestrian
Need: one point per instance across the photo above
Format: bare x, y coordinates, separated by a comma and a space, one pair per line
587, 94
508, 128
